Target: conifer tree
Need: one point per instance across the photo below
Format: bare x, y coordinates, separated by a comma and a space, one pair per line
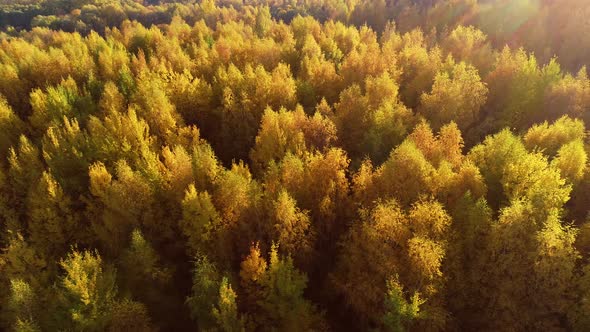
87, 291
11, 127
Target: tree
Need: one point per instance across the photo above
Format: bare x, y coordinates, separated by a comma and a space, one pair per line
53, 224
571, 160
550, 138
517, 86
319, 75
399, 312
151, 103
67, 150
23, 306
291, 227
88, 290
456, 96
539, 265
202, 225
469, 44
492, 157
278, 135
389, 241
193, 98
127, 315
112, 100
141, 265
13, 88
532, 177
226, 311
318, 183
283, 296
290, 132
419, 66
252, 271
121, 204
205, 289
50, 107
464, 263
374, 122
121, 136
405, 175
11, 128
24, 169
244, 96
263, 21
569, 96
237, 197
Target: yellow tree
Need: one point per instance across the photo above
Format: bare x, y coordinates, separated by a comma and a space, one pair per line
11, 127
389, 243
456, 96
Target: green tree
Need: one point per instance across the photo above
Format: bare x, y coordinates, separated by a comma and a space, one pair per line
201, 222
263, 21
205, 289
492, 157
550, 138
226, 311
22, 303
374, 122
121, 204
399, 312
572, 160
88, 291
282, 301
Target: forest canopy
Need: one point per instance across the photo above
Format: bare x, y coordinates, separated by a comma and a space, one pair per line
294, 165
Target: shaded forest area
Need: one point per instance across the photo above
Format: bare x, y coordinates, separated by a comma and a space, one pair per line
294, 166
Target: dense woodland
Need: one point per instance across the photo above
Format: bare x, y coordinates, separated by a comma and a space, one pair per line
294, 165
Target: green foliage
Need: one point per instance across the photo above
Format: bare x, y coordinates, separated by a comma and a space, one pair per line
519, 83
550, 138
572, 160
88, 290
281, 299
141, 263
375, 121
201, 221
205, 289
22, 304
492, 157
399, 312
226, 312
